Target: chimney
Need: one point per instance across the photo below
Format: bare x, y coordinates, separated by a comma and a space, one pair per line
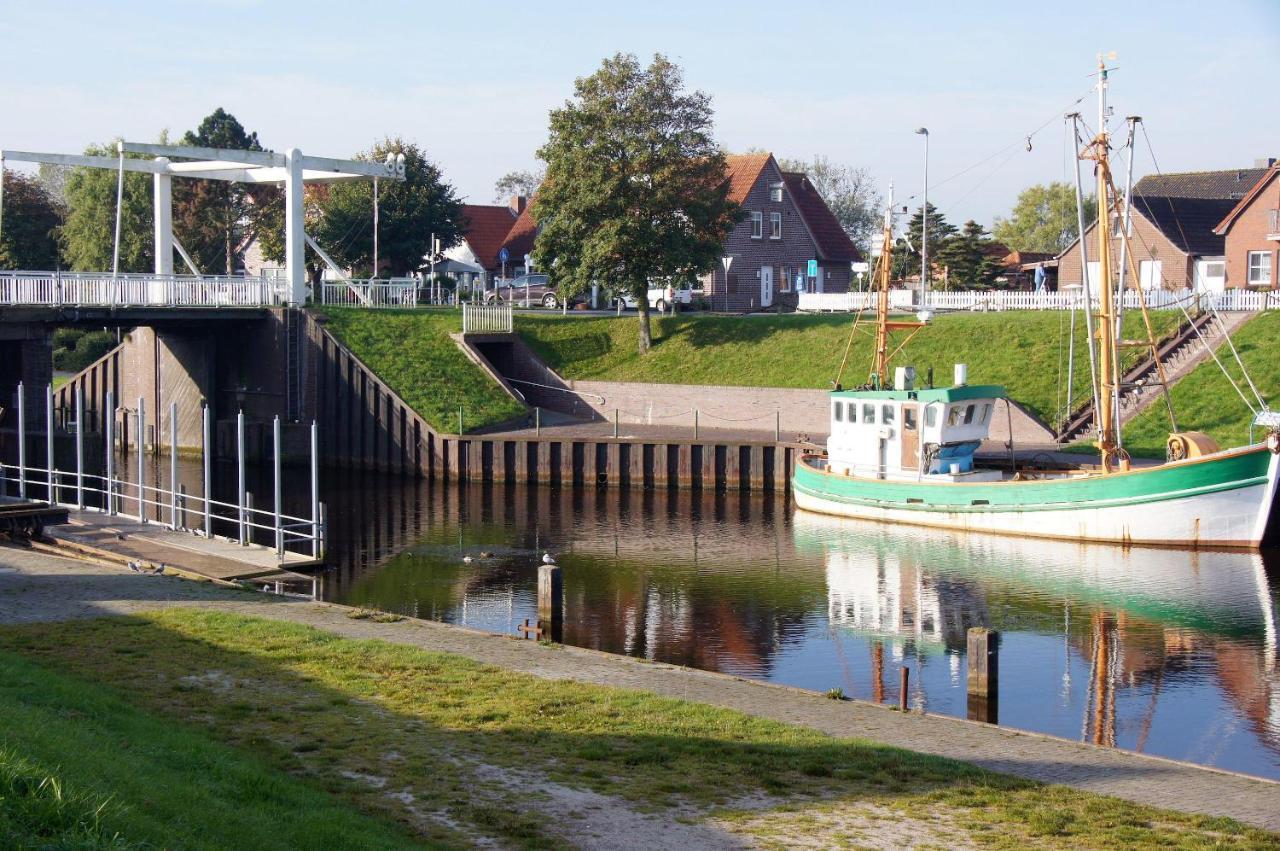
1265, 162
517, 204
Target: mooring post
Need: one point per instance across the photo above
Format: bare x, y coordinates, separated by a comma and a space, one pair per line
984, 669
275, 473
142, 449
182, 507
109, 425
48, 421
315, 490
208, 477
22, 442
551, 601
459, 419
240, 486
79, 446
902, 689
777, 426
173, 466
615, 422
695, 423
537, 420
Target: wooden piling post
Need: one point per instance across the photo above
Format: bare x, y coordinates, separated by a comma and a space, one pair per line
902, 692
551, 601
984, 674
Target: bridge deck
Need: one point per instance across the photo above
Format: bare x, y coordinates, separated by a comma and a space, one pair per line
152, 545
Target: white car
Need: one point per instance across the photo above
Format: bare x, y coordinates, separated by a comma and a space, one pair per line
662, 298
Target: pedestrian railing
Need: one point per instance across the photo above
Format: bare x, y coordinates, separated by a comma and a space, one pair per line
375, 292
487, 319
170, 506
96, 289
996, 300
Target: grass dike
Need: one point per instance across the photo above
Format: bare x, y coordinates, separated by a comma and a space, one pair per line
205, 729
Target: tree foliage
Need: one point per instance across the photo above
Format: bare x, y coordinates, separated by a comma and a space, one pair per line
521, 182
31, 218
906, 252
635, 186
409, 212
849, 191
215, 219
89, 229
969, 258
1044, 219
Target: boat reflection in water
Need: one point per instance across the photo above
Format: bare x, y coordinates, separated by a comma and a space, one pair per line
1165, 651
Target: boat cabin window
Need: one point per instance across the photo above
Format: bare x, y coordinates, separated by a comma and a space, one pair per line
838, 408
886, 414
968, 414
930, 416
869, 413
954, 415
853, 412
909, 419
986, 413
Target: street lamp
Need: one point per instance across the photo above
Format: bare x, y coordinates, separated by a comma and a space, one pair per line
924, 219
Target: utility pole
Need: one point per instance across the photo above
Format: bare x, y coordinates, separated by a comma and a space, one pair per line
924, 220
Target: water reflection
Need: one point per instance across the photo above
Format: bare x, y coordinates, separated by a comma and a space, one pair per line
1163, 651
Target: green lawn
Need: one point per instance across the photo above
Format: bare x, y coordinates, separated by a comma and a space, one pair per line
412, 352
1204, 400
1024, 350
199, 728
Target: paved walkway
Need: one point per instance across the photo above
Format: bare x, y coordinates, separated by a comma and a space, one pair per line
37, 587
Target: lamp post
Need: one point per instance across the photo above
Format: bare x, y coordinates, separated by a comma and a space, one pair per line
924, 219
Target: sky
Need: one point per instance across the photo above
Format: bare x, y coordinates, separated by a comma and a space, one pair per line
473, 82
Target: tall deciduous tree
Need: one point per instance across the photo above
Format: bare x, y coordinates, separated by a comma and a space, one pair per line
635, 187
1044, 219
850, 193
409, 212
214, 219
89, 230
31, 218
521, 182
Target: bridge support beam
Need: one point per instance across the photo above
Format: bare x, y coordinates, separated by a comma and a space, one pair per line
294, 223
163, 197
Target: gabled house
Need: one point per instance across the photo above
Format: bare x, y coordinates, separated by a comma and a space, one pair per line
485, 230
787, 225
1174, 242
1251, 232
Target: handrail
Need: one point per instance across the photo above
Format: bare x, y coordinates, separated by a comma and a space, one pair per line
560, 389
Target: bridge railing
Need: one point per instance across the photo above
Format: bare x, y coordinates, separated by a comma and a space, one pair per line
375, 292
996, 300
97, 289
487, 319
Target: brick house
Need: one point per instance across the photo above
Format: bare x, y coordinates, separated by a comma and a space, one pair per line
1252, 235
1174, 242
787, 224
485, 231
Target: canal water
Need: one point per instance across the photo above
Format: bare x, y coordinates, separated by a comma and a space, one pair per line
1167, 652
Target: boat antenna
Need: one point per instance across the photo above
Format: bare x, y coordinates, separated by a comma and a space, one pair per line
884, 326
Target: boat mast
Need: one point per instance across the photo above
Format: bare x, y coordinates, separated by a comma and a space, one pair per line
880, 362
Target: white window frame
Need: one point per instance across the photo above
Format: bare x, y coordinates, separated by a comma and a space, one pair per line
775, 226
775, 193
757, 224
1263, 267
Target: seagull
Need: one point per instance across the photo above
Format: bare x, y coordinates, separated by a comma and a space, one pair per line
547, 559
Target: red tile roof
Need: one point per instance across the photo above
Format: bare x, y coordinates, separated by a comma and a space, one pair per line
485, 229
742, 172
519, 240
833, 242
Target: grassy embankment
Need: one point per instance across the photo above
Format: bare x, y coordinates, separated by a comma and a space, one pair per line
201, 729
1024, 350
412, 352
1204, 400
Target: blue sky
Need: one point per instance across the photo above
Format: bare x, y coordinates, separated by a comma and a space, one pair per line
472, 82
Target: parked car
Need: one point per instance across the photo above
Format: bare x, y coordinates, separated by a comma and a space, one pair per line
663, 298
539, 291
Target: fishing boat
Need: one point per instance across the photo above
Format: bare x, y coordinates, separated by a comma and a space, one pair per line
903, 453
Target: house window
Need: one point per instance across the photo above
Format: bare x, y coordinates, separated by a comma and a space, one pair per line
757, 224
839, 409
1259, 268
1117, 225
775, 193
775, 226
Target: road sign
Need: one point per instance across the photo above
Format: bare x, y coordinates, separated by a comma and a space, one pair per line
813, 268
861, 267
503, 256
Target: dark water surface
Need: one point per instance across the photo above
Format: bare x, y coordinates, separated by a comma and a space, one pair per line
1167, 652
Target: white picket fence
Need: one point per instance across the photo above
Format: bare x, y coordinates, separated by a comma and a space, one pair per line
377, 292
98, 289
487, 319
1230, 300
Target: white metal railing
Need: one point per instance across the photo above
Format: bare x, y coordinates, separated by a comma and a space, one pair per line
78, 489
96, 289
487, 319
375, 292
1156, 299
